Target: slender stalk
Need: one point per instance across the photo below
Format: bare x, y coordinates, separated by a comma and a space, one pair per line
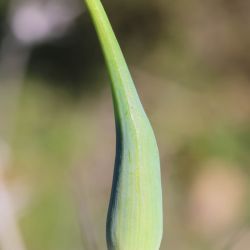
135, 212
122, 84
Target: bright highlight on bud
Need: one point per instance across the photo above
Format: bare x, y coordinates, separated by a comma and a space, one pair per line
135, 212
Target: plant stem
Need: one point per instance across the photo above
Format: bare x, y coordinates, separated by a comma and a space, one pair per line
123, 88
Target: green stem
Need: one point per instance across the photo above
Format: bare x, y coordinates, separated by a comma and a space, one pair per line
123, 89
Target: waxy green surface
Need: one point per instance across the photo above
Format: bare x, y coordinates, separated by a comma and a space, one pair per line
135, 212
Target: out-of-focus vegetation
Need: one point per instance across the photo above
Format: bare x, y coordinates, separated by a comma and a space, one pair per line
190, 61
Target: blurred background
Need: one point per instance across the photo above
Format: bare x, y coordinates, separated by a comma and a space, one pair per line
191, 64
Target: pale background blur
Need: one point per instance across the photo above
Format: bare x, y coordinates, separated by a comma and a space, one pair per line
191, 64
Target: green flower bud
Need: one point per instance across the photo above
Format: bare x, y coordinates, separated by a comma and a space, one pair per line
135, 212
